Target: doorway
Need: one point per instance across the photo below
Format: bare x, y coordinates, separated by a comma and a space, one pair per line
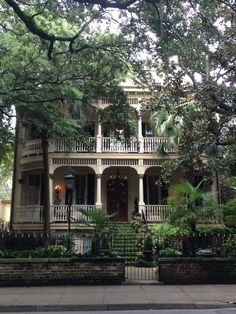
117, 197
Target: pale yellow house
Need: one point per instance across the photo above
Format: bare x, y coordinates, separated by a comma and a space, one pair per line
112, 174
5, 209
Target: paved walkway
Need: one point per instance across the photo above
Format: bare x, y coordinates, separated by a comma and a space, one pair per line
57, 298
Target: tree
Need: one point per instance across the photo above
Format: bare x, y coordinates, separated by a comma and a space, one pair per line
53, 94
191, 46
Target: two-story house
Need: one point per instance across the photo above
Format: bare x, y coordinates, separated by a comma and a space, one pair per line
113, 175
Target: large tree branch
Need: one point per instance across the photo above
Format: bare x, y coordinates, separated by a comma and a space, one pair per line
122, 5
36, 30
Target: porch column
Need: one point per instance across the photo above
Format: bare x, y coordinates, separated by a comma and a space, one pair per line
99, 137
140, 136
141, 203
51, 189
99, 192
19, 190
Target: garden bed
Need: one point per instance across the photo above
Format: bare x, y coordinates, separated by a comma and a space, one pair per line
197, 270
50, 271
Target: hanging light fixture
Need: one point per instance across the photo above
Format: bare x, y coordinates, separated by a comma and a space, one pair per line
117, 178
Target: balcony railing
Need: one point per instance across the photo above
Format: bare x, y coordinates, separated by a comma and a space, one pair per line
58, 213
32, 147
64, 145
104, 144
155, 213
29, 214
113, 145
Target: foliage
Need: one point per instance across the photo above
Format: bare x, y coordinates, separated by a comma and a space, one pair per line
191, 204
229, 213
166, 231
97, 218
100, 224
229, 248
148, 248
169, 252
189, 44
169, 126
212, 229
50, 251
50, 88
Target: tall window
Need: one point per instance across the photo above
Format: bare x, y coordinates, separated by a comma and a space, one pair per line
147, 130
154, 193
89, 129
33, 190
84, 189
34, 132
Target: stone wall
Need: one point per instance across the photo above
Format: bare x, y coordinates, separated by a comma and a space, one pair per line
49, 271
197, 270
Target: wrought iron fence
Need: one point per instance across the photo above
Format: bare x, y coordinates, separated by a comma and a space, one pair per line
193, 244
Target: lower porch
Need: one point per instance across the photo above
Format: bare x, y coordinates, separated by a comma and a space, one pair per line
121, 191
59, 213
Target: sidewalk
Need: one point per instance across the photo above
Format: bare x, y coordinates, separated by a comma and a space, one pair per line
124, 297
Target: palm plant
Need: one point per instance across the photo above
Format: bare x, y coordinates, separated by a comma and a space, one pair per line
190, 206
100, 222
169, 126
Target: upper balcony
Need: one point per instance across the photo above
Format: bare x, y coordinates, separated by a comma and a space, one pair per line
97, 144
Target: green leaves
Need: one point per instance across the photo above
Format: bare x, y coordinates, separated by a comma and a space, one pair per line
190, 204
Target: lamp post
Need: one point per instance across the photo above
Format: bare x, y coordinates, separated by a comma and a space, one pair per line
69, 185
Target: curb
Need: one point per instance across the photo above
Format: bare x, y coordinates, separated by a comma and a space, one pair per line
111, 307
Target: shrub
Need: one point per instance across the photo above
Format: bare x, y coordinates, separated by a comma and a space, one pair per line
169, 252
50, 251
166, 231
147, 248
211, 228
229, 248
229, 213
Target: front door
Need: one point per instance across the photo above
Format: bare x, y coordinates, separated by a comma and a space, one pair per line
117, 198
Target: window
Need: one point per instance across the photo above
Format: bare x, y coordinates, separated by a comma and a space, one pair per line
84, 188
147, 130
34, 132
154, 193
89, 129
33, 190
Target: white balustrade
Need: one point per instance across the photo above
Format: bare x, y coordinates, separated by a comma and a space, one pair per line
110, 144
150, 143
59, 213
155, 212
29, 214
64, 145
32, 147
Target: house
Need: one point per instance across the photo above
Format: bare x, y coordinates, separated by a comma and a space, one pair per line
118, 176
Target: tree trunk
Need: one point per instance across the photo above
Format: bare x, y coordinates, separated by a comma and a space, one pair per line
46, 201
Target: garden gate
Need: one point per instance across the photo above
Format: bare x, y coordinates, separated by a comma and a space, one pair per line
138, 265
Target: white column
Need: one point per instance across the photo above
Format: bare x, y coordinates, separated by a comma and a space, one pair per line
140, 136
141, 195
99, 137
19, 190
51, 189
99, 192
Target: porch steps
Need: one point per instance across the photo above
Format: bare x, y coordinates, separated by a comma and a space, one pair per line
124, 241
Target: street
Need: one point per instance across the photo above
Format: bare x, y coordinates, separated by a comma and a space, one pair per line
202, 311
